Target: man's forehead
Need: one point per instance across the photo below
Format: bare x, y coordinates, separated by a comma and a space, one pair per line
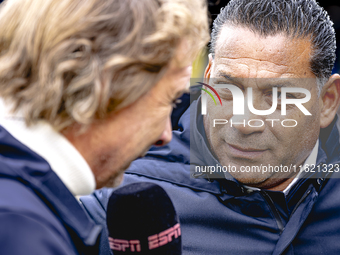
231, 36
263, 83
278, 53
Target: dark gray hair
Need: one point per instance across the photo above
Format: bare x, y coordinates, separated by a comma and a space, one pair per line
295, 18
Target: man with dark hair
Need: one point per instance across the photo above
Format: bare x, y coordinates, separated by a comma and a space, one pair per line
257, 177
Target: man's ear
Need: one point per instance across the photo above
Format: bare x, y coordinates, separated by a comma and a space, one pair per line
330, 99
207, 72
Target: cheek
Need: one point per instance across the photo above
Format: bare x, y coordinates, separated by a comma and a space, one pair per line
295, 143
220, 117
160, 121
217, 133
224, 111
307, 124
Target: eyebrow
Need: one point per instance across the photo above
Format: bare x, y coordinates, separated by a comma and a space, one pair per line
228, 77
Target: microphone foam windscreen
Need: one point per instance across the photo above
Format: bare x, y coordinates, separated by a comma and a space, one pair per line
141, 219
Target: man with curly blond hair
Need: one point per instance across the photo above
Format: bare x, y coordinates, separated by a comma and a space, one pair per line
261, 177
85, 88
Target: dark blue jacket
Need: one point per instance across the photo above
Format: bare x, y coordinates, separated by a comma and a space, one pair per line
38, 214
219, 216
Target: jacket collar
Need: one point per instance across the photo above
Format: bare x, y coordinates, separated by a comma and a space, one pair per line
20, 163
62, 156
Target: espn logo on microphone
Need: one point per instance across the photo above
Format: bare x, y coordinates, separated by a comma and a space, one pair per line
154, 241
122, 245
164, 237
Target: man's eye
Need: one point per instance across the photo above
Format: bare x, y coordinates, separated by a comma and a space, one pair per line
270, 94
176, 102
288, 95
269, 99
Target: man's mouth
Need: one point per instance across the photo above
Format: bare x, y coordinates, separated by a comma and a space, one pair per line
245, 152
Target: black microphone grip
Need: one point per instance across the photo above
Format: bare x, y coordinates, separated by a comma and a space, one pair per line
141, 219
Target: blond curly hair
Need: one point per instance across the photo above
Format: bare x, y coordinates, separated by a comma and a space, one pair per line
74, 61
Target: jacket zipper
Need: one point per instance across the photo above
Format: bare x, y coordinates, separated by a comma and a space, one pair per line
274, 210
300, 201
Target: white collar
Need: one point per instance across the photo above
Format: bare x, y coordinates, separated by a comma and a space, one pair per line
311, 160
62, 156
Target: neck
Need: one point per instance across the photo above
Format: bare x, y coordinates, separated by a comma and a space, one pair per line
283, 184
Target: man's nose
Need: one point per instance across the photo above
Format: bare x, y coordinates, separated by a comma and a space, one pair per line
248, 123
166, 136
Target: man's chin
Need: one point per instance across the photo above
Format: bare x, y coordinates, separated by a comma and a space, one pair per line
251, 180
115, 181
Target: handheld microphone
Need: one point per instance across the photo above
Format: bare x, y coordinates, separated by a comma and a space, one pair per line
141, 219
